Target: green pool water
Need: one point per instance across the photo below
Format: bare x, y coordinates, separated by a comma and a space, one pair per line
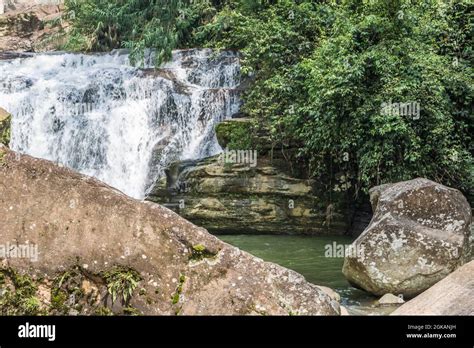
305, 255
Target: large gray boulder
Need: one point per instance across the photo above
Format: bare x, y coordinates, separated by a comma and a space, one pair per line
454, 295
418, 235
101, 252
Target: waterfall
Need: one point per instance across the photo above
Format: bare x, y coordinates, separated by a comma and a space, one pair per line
103, 117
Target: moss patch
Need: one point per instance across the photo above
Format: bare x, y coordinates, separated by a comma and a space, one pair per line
199, 252
131, 311
237, 134
103, 311
18, 294
73, 292
179, 289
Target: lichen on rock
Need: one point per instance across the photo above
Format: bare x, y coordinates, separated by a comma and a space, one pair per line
418, 235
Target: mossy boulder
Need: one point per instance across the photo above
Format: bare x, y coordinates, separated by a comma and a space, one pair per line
5, 127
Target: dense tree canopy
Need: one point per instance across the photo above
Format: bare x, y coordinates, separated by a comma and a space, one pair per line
321, 73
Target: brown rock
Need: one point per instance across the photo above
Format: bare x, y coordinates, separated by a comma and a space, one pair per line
454, 295
78, 222
26, 27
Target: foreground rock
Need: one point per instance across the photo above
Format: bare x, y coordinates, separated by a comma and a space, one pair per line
454, 295
101, 252
418, 235
5, 127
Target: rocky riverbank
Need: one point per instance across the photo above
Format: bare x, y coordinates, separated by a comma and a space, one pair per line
101, 252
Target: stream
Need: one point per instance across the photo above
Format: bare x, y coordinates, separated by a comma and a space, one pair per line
306, 255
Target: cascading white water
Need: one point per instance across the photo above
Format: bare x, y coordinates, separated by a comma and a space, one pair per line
103, 117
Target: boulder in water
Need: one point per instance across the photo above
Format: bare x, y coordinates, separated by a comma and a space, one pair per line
94, 250
418, 235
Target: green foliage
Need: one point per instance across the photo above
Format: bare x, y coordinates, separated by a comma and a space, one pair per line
320, 72
58, 301
121, 282
18, 294
104, 311
161, 25
5, 130
236, 135
131, 311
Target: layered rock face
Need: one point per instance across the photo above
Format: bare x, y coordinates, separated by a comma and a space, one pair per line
454, 295
95, 245
244, 191
418, 235
28, 26
241, 199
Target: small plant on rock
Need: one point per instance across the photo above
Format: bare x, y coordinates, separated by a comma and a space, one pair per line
121, 282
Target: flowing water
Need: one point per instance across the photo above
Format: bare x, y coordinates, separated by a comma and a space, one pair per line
103, 117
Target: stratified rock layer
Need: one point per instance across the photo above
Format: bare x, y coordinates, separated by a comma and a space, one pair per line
240, 198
